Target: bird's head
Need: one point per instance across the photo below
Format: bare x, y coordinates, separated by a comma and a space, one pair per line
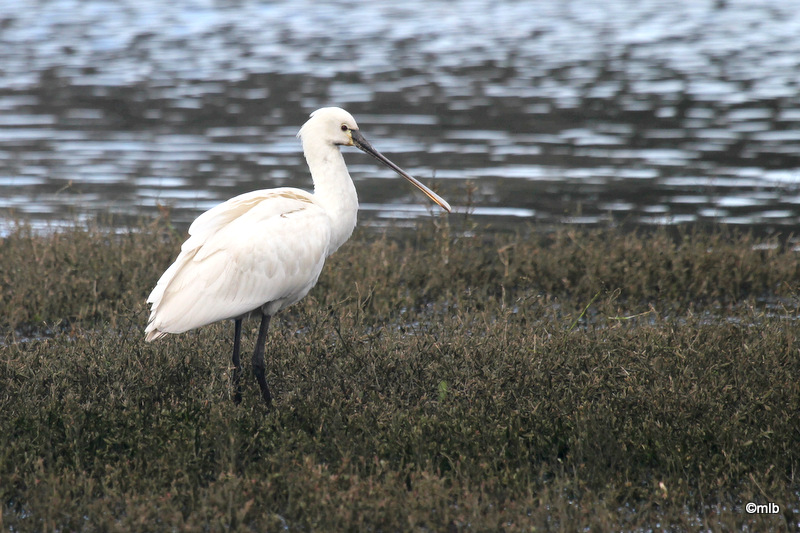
332, 125
337, 127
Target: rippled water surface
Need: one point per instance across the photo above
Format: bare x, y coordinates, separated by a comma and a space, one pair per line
643, 111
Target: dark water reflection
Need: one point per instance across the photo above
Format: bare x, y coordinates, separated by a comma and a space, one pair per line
651, 112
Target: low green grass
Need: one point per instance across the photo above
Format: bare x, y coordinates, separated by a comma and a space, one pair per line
543, 381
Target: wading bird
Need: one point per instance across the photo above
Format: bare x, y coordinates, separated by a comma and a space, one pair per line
262, 251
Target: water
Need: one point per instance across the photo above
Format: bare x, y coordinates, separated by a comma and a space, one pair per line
577, 112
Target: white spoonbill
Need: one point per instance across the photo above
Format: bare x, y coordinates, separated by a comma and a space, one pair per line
262, 251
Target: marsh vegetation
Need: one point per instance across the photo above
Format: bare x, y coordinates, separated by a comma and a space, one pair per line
436, 380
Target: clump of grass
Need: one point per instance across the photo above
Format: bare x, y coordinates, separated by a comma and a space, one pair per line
85, 275
438, 382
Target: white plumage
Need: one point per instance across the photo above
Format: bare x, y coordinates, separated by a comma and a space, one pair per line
264, 250
232, 263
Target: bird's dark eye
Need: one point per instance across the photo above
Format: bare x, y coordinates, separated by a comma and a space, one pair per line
344, 127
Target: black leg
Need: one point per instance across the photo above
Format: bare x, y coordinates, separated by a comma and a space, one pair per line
237, 367
258, 359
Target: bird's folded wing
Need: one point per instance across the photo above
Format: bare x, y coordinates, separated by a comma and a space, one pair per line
257, 248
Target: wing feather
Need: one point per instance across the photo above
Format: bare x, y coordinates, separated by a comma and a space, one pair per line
264, 248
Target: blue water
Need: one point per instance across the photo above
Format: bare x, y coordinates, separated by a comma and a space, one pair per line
577, 112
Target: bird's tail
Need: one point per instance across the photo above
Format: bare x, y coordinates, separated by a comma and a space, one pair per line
152, 333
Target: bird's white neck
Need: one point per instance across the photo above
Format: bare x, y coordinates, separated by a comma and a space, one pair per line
333, 188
